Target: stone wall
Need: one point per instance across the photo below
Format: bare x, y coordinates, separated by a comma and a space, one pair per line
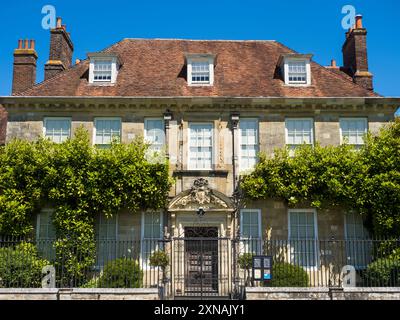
274, 220
78, 294
319, 293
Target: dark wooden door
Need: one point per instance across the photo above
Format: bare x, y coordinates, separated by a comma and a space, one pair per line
201, 255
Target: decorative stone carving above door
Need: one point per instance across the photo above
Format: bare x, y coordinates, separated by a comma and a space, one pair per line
201, 195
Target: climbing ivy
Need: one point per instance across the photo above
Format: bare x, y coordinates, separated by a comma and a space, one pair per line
367, 180
79, 181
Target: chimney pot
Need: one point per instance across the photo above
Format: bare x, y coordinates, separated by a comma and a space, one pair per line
355, 57
359, 21
77, 61
24, 71
61, 51
333, 63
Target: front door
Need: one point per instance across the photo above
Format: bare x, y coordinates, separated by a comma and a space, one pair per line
201, 260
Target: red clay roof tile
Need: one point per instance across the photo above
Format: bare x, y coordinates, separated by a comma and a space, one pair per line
156, 68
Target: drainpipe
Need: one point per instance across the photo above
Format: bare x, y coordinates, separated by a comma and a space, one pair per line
235, 125
180, 146
167, 119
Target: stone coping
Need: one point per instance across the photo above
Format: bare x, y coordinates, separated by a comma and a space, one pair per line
372, 289
79, 290
321, 289
29, 290
285, 289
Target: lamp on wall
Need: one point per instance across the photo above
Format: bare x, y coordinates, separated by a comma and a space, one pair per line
235, 117
168, 115
200, 212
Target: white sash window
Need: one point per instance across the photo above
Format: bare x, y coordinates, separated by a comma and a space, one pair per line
154, 134
298, 132
303, 237
353, 130
200, 146
57, 130
107, 130
248, 143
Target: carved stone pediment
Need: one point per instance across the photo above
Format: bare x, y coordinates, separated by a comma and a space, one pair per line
201, 195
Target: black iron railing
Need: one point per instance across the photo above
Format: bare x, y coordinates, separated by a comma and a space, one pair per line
323, 263
114, 264
201, 266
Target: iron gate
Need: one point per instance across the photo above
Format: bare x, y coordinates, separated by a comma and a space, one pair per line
201, 264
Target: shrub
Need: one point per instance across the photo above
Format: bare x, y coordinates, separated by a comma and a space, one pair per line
288, 275
92, 283
159, 259
383, 272
121, 273
245, 261
21, 267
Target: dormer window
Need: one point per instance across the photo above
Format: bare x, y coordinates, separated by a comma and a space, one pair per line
200, 69
296, 69
200, 72
103, 68
297, 72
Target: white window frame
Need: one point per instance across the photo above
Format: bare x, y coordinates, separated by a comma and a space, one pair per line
245, 243
207, 59
95, 128
258, 211
47, 210
347, 240
146, 120
106, 241
299, 119
114, 69
352, 119
241, 167
190, 163
286, 62
42, 243
316, 247
45, 119
365, 235
144, 263
116, 226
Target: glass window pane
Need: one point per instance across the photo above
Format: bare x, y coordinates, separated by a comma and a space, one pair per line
57, 130
302, 236
353, 130
107, 130
200, 148
152, 225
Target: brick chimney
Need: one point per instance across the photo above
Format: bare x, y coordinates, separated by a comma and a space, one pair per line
355, 60
61, 50
24, 74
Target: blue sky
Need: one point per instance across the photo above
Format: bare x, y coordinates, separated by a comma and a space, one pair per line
312, 26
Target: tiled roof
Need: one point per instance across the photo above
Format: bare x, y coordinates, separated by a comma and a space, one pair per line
156, 67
